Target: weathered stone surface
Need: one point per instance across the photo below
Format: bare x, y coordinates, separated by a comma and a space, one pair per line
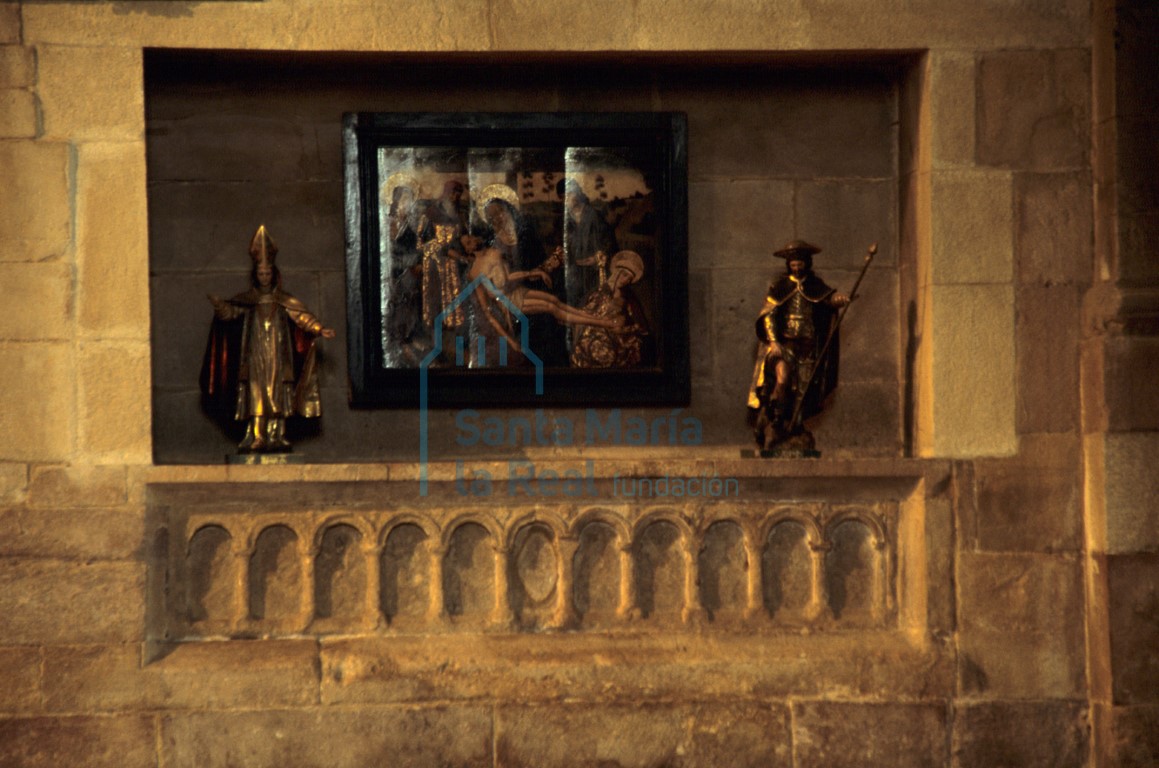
1030, 503
91, 94
40, 303
125, 741
646, 735
1053, 227
77, 486
833, 735
701, 348
820, 127
972, 340
1131, 486
35, 205
10, 23
50, 601
20, 668
843, 217
861, 420
17, 66
274, 673
1021, 626
720, 222
1034, 109
972, 227
113, 396
17, 113
670, 666
1048, 358
39, 378
97, 534
1133, 587
1136, 260
952, 89
597, 25
112, 260
313, 738
1131, 368
1031, 734
1136, 736
13, 482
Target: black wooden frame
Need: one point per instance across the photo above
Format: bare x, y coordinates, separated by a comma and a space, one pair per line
662, 135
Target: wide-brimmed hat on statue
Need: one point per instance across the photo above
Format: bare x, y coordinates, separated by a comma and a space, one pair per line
796, 248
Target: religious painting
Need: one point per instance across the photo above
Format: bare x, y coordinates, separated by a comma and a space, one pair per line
514, 259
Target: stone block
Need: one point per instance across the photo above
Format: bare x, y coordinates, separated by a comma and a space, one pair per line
77, 486
833, 734
844, 217
10, 23
207, 226
1048, 358
91, 94
90, 534
17, 66
972, 340
269, 674
1053, 227
112, 250
39, 378
1131, 487
1034, 109
1136, 736
820, 126
39, 301
720, 223
20, 668
1137, 190
600, 25
951, 97
644, 735
51, 601
1133, 587
128, 741
35, 200
114, 418
1029, 503
313, 738
701, 345
13, 482
1021, 626
17, 113
863, 418
869, 333
1131, 367
184, 434
1045, 734
1137, 232
973, 230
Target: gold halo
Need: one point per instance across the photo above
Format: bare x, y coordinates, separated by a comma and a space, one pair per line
495, 192
396, 180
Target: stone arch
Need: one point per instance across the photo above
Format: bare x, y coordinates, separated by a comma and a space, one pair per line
852, 565
469, 571
211, 577
723, 570
597, 568
406, 566
533, 571
787, 580
340, 573
275, 575
659, 565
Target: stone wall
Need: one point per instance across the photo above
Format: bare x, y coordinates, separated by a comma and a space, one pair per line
1023, 546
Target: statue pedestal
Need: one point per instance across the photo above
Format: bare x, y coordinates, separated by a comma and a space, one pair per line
264, 458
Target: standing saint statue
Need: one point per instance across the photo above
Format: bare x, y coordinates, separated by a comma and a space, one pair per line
797, 354
260, 362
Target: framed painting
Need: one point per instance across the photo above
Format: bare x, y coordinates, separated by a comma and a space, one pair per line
515, 259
